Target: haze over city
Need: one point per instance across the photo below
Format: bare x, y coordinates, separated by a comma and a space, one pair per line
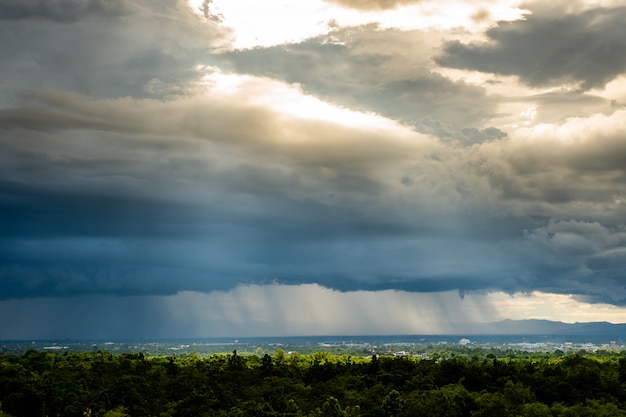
175, 168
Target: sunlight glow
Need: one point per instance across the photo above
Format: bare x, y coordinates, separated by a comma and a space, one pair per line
277, 22
614, 91
559, 307
290, 100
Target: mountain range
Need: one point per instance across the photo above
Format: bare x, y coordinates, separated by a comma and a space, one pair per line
545, 327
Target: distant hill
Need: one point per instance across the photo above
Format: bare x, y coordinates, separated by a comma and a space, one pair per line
545, 327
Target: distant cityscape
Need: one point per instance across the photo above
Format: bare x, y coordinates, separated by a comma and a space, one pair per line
525, 336
414, 346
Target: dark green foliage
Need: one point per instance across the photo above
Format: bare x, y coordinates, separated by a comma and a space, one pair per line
393, 404
100, 384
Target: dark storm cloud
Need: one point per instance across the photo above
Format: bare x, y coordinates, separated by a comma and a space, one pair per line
148, 197
86, 207
155, 44
542, 50
132, 165
63, 11
585, 257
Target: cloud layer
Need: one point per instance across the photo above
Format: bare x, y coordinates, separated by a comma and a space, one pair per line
144, 156
574, 48
62, 11
98, 190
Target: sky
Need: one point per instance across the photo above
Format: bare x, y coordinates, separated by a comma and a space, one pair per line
190, 168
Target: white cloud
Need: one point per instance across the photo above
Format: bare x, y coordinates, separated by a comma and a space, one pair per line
558, 307
278, 22
290, 100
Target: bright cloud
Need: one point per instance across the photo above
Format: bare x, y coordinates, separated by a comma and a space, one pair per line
291, 101
560, 307
278, 22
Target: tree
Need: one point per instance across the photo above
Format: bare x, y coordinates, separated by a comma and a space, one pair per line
266, 364
118, 412
332, 408
235, 361
279, 355
2, 413
292, 409
536, 410
516, 396
393, 404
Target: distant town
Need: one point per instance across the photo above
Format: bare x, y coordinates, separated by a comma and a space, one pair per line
425, 347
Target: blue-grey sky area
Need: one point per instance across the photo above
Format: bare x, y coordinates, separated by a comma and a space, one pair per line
210, 168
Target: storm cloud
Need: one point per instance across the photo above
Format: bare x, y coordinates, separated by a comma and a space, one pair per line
579, 48
62, 11
154, 162
343, 206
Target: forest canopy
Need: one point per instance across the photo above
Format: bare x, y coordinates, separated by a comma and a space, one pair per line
101, 384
